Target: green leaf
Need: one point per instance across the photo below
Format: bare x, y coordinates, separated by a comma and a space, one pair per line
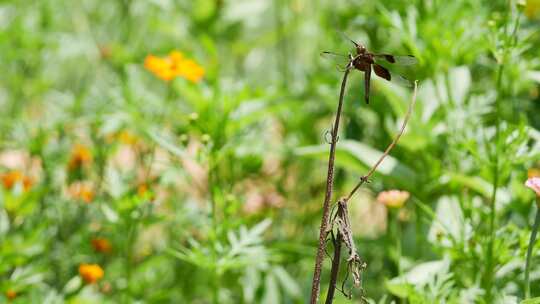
460, 82
73, 285
271, 291
287, 282
358, 157
534, 75
399, 289
4, 222
109, 213
472, 182
166, 144
531, 301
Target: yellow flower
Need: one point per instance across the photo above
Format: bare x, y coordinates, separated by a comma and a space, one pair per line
11, 178
81, 191
159, 66
80, 155
127, 138
90, 273
532, 9
176, 57
190, 70
174, 65
101, 245
393, 198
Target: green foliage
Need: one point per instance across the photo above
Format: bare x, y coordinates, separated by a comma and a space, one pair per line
187, 191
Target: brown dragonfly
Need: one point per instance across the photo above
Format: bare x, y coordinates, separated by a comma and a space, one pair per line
366, 61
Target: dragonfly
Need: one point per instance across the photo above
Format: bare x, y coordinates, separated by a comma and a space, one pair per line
366, 61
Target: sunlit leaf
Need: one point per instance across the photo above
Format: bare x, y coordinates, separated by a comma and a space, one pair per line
358, 157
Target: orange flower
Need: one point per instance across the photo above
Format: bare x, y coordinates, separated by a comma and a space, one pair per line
90, 273
10, 179
81, 191
11, 294
159, 66
393, 198
174, 65
143, 191
80, 155
191, 71
101, 245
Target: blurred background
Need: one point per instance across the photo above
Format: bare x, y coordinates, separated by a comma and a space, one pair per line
174, 151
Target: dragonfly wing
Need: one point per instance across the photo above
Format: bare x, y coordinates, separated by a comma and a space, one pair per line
399, 60
393, 78
401, 81
382, 72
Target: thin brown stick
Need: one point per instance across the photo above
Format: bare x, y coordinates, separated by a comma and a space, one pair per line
323, 233
366, 177
335, 269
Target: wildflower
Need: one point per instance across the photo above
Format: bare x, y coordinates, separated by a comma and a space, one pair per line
11, 294
533, 172
174, 65
12, 178
90, 273
101, 245
532, 9
127, 138
534, 184
81, 191
160, 67
254, 203
190, 70
80, 155
142, 189
145, 192
393, 198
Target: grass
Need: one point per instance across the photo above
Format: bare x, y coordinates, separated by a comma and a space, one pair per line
174, 151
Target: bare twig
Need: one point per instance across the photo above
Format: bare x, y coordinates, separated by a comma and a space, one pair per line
366, 177
323, 232
335, 268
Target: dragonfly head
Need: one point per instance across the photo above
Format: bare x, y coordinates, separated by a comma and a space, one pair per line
360, 49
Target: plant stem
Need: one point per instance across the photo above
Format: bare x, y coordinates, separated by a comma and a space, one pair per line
488, 276
315, 286
214, 232
335, 269
529, 249
397, 237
